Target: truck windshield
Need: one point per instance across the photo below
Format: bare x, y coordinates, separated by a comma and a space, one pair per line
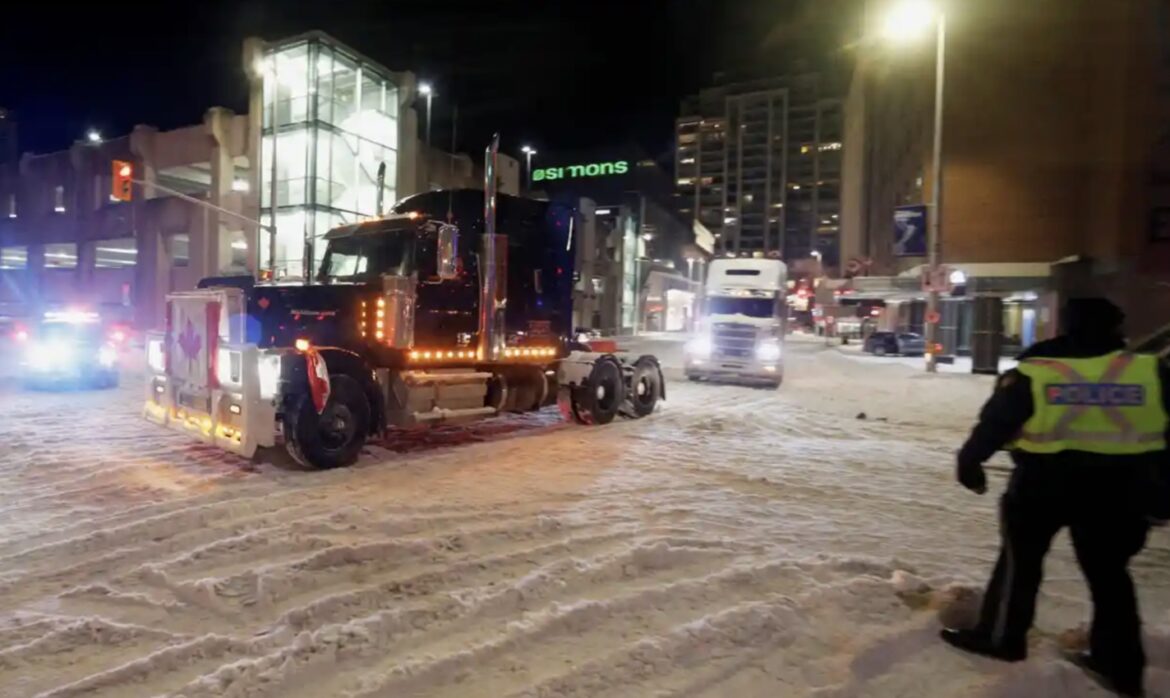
366, 257
751, 307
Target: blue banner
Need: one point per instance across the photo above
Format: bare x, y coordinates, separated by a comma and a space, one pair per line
910, 231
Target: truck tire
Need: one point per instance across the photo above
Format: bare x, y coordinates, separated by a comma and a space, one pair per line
335, 437
599, 401
645, 387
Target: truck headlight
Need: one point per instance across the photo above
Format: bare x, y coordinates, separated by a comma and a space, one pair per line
49, 356
269, 374
227, 367
699, 347
154, 356
107, 355
768, 351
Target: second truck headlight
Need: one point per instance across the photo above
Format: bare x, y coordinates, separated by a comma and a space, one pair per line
699, 347
768, 351
268, 371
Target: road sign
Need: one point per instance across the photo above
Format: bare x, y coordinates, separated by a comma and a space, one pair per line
933, 317
939, 281
910, 231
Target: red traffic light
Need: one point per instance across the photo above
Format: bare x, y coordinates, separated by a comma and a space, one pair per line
122, 186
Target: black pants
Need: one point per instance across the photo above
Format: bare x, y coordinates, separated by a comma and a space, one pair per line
1108, 527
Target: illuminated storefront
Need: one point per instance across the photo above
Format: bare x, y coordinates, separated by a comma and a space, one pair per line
332, 118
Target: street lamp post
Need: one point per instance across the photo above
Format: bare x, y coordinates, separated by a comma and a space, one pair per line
528, 151
909, 19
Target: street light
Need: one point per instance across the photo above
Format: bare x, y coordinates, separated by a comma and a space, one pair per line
528, 151
908, 20
93, 136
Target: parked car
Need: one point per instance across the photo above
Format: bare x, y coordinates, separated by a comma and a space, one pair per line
904, 343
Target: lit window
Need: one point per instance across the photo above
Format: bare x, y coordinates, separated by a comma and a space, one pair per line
829, 146
179, 247
804, 149
795, 187
687, 161
13, 257
61, 255
59, 199
685, 181
115, 254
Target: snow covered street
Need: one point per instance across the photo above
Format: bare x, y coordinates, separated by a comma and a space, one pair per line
740, 542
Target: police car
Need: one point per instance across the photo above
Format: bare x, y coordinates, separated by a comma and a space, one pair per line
70, 348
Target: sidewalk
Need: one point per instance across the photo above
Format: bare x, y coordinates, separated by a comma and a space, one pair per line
962, 363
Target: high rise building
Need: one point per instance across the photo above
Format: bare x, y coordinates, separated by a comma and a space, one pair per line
758, 163
1056, 152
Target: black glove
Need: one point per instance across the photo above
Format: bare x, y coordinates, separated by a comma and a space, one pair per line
972, 476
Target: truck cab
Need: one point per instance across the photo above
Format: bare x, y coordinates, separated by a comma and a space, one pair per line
424, 316
742, 323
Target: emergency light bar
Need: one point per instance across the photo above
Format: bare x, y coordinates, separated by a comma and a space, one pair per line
75, 317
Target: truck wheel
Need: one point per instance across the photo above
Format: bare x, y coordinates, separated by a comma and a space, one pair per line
604, 394
335, 437
645, 387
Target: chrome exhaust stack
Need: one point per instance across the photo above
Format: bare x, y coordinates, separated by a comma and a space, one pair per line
492, 265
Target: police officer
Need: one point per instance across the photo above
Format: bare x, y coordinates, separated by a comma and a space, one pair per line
1086, 423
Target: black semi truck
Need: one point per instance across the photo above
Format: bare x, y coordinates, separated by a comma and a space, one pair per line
457, 306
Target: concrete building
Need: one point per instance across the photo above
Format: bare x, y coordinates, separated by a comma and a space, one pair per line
333, 119
759, 164
1056, 155
64, 240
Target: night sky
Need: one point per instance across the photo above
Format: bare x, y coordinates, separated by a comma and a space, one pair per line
559, 74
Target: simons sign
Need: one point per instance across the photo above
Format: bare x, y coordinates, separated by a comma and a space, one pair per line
593, 169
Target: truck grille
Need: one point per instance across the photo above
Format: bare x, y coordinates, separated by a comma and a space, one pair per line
732, 340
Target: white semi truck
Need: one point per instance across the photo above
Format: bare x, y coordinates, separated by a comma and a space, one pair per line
741, 327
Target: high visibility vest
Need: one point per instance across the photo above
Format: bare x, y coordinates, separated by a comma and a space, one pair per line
1108, 404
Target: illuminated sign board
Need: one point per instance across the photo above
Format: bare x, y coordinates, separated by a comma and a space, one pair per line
593, 169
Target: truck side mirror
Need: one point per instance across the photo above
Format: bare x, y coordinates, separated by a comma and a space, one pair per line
447, 262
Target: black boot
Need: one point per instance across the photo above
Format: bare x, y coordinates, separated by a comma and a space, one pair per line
978, 643
1094, 670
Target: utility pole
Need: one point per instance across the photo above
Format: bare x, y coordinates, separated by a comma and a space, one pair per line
934, 237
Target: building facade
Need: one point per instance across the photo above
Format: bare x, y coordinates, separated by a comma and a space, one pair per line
759, 164
338, 136
1056, 152
628, 229
63, 239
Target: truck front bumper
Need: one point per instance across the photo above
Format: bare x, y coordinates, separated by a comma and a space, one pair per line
734, 370
232, 415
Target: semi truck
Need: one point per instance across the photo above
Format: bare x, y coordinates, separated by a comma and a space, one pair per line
456, 306
742, 323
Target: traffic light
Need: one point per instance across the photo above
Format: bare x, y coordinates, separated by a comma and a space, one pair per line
123, 181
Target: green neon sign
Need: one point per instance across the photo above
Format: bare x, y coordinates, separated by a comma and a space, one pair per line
593, 169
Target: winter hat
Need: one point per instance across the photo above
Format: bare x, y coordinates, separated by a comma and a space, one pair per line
1093, 318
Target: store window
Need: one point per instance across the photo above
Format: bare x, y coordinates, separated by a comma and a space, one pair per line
12, 258
120, 253
61, 255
